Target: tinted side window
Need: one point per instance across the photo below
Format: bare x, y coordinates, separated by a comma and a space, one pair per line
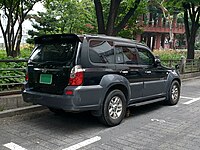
119, 55
146, 58
101, 51
126, 55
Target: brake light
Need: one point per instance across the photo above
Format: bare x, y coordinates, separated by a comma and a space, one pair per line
26, 76
76, 76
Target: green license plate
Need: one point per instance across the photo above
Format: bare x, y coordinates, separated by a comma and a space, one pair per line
46, 78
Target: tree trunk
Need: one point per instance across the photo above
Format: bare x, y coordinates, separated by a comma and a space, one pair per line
191, 41
191, 30
124, 21
100, 18
114, 6
190, 48
18, 42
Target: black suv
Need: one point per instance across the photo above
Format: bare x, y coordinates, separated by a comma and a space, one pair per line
99, 73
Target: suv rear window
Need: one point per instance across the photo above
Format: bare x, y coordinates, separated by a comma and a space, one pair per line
56, 52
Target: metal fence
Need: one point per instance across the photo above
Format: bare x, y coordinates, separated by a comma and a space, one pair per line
12, 79
12, 76
184, 65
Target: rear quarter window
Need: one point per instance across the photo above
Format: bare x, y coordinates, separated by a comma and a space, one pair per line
101, 51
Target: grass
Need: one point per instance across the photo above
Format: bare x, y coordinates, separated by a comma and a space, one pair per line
169, 54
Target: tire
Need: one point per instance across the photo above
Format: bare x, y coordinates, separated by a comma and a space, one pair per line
114, 108
56, 110
173, 93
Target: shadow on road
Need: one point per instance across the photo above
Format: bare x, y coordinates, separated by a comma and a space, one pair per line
145, 109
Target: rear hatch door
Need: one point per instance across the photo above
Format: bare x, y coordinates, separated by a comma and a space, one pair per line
51, 61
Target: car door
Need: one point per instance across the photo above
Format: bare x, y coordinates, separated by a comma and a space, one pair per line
127, 66
154, 77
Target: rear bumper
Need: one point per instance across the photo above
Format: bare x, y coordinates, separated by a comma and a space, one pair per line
83, 98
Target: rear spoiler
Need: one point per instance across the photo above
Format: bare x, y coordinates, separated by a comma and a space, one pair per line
57, 38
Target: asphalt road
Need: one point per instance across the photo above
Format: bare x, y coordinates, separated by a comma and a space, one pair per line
151, 127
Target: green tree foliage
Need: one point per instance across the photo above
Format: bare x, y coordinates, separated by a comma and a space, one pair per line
64, 16
12, 16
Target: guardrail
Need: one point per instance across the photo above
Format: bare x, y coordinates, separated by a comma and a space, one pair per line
12, 76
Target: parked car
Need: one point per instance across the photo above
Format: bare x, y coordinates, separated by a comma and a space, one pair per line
97, 73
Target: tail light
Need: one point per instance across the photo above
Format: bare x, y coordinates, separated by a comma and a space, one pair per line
76, 76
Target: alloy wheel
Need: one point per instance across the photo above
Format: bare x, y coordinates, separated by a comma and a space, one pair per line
115, 107
175, 92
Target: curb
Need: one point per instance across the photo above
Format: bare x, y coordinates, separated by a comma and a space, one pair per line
188, 79
189, 76
20, 111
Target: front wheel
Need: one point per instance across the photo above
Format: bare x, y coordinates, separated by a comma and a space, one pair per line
173, 93
114, 108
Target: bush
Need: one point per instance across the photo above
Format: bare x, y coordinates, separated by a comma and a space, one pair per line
174, 54
170, 54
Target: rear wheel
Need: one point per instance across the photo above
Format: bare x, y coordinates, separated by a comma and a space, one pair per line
114, 108
173, 93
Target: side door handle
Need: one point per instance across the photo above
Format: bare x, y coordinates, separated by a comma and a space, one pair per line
124, 71
148, 72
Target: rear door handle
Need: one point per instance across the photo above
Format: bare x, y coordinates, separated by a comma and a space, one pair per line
148, 72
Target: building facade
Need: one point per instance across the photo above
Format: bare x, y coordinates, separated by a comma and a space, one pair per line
157, 29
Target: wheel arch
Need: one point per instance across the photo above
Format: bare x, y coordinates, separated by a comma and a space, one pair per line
177, 79
120, 87
114, 81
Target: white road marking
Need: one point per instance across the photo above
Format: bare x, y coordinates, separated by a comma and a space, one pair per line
13, 146
192, 101
84, 143
186, 97
175, 105
161, 121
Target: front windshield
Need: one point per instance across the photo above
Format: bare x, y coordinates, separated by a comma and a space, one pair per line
54, 52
